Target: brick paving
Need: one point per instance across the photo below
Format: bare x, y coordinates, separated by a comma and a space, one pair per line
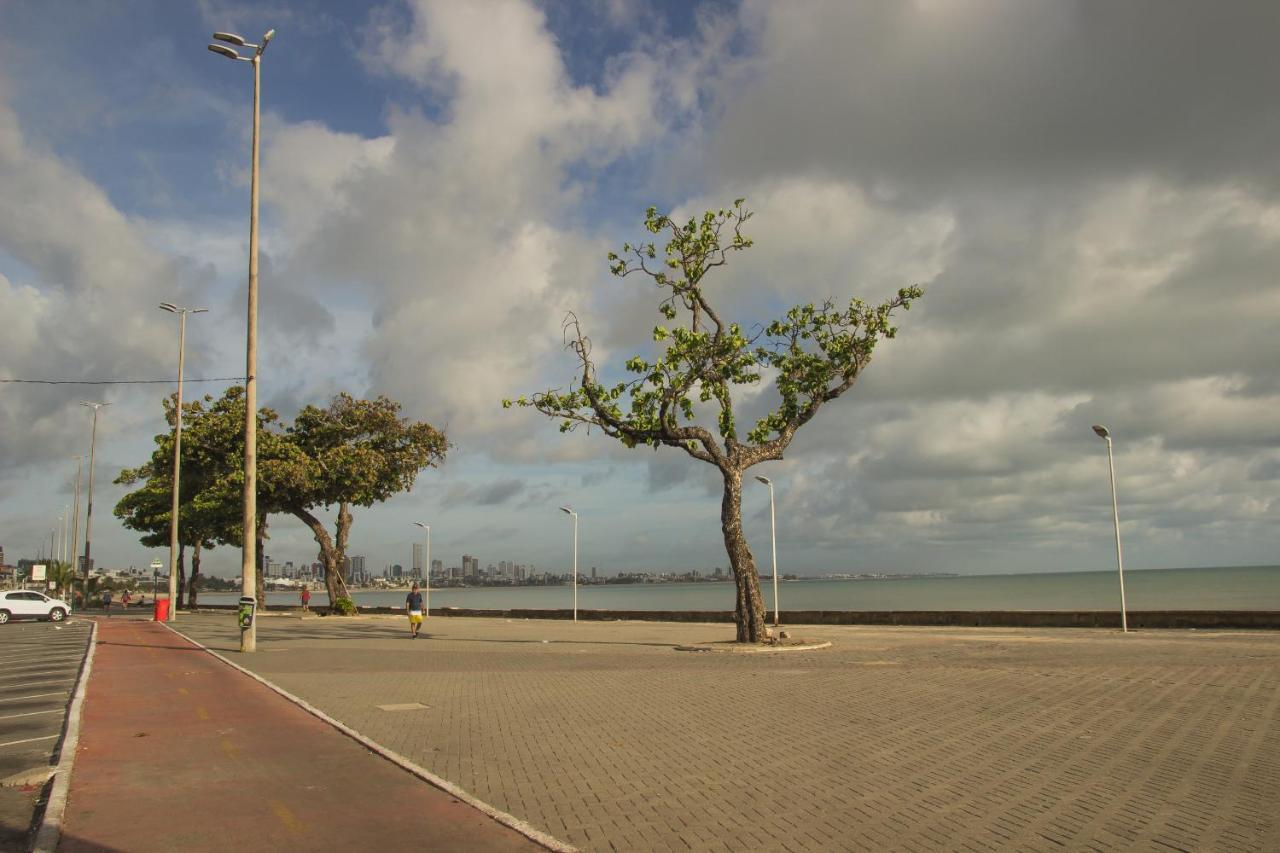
916, 739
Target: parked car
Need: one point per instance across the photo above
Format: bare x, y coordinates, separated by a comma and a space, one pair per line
29, 604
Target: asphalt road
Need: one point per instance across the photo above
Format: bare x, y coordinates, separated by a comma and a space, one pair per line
39, 663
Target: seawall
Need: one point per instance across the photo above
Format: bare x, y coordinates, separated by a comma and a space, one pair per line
1199, 619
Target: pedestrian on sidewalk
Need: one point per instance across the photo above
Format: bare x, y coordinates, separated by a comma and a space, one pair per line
306, 599
125, 599
106, 601
413, 603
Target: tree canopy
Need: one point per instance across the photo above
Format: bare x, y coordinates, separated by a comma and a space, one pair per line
816, 351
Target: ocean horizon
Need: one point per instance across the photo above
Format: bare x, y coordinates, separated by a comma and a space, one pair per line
1220, 588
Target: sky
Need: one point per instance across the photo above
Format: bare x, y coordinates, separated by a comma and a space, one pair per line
1088, 192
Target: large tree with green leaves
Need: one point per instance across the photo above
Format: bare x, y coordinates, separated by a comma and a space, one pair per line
816, 352
204, 520
350, 453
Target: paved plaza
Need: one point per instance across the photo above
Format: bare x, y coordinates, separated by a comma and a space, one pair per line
606, 736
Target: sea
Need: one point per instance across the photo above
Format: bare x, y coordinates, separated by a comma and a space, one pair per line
1223, 588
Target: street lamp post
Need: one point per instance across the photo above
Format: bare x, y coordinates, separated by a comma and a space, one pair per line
177, 454
575, 560
1115, 514
248, 568
426, 590
75, 531
88, 518
773, 530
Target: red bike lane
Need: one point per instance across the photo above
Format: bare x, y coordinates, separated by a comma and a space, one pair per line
178, 751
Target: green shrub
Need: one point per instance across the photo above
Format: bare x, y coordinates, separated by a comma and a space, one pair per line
343, 607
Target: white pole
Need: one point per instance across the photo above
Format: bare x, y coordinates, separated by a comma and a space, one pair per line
575, 567
427, 574
773, 527
177, 473
248, 556
1115, 514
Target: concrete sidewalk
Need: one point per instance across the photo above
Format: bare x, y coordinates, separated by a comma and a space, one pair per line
179, 751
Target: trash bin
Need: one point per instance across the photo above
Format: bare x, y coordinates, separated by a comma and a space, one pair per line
162, 610
248, 604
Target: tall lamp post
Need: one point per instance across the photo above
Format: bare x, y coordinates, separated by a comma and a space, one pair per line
575, 560
75, 531
88, 518
426, 597
1115, 514
248, 568
773, 530
177, 454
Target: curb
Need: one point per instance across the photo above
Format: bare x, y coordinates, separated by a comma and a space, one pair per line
509, 820
50, 831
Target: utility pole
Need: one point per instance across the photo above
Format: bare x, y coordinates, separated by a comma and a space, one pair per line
88, 519
75, 530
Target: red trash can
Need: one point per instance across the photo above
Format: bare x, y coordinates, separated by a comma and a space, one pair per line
162, 610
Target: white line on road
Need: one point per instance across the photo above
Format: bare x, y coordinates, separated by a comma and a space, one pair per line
35, 695
37, 672
29, 740
41, 681
30, 714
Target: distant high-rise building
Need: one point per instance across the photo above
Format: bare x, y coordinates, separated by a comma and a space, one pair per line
418, 551
437, 567
470, 566
593, 572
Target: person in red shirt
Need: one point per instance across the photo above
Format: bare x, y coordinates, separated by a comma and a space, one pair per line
306, 600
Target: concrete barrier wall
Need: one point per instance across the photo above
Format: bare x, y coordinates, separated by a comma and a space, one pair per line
1255, 619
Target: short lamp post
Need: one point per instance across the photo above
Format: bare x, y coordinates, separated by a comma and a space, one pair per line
426, 583
1115, 515
177, 454
88, 518
566, 509
773, 529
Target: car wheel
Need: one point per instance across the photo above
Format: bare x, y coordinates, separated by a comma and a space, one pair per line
4, 616
57, 614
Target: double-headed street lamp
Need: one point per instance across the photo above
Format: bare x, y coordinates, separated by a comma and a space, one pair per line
177, 454
773, 528
1115, 514
426, 590
575, 559
248, 568
88, 519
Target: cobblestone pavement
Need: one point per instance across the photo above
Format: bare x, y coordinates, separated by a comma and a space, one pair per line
606, 736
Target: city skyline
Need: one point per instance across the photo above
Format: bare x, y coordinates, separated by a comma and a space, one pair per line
1094, 230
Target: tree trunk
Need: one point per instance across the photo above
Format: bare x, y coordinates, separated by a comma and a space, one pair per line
193, 585
749, 612
334, 583
182, 575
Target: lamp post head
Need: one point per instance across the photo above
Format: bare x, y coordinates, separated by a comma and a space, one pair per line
169, 306
764, 480
1101, 431
223, 50
423, 526
230, 38
569, 511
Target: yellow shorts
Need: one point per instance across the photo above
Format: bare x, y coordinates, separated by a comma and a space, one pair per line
415, 618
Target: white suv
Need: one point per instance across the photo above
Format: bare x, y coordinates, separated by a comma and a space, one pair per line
29, 604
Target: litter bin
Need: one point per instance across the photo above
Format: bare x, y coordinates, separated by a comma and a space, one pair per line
162, 610
248, 604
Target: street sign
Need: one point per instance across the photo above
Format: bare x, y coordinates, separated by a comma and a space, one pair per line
37, 572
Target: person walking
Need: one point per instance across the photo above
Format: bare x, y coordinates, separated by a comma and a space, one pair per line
413, 604
125, 599
306, 599
106, 601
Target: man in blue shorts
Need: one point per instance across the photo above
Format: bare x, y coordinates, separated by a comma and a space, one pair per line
413, 604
